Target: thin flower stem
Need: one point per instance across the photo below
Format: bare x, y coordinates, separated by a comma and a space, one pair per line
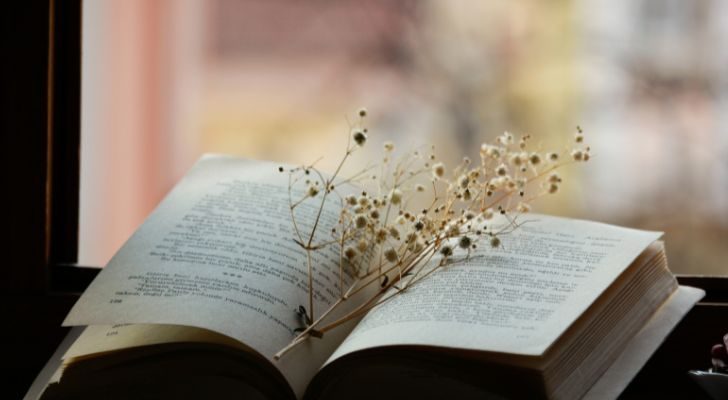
310, 282
301, 336
373, 248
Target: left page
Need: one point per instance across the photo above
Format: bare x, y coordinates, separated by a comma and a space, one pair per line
218, 253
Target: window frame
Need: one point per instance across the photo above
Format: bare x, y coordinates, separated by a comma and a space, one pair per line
43, 168
64, 273
39, 121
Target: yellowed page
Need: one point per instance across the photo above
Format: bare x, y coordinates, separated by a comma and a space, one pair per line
517, 299
218, 254
99, 339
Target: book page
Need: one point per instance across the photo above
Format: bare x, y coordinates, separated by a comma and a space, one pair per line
643, 345
100, 339
218, 253
515, 299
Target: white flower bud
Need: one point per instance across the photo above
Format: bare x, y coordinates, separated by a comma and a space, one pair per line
360, 138
577, 155
465, 242
362, 245
446, 250
350, 253
438, 170
391, 255
501, 170
395, 196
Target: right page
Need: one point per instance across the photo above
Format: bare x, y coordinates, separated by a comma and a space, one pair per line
518, 298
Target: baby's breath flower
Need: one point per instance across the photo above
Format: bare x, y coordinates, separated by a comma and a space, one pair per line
461, 211
360, 138
518, 159
381, 235
446, 250
438, 170
350, 253
490, 151
362, 245
501, 170
464, 181
395, 196
535, 159
391, 255
505, 139
577, 155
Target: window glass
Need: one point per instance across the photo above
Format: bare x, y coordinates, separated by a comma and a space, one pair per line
165, 81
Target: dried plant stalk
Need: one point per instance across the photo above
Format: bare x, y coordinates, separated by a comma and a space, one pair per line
383, 241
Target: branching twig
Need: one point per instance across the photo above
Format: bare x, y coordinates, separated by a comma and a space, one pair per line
402, 241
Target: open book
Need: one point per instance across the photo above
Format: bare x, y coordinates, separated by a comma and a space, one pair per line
202, 296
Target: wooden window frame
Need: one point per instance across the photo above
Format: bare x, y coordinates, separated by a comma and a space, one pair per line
40, 79
43, 153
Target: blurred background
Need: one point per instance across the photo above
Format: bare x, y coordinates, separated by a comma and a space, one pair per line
165, 81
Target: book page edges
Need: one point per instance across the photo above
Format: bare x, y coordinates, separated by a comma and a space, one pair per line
641, 347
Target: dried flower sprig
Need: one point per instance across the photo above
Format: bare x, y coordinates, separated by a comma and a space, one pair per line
386, 242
